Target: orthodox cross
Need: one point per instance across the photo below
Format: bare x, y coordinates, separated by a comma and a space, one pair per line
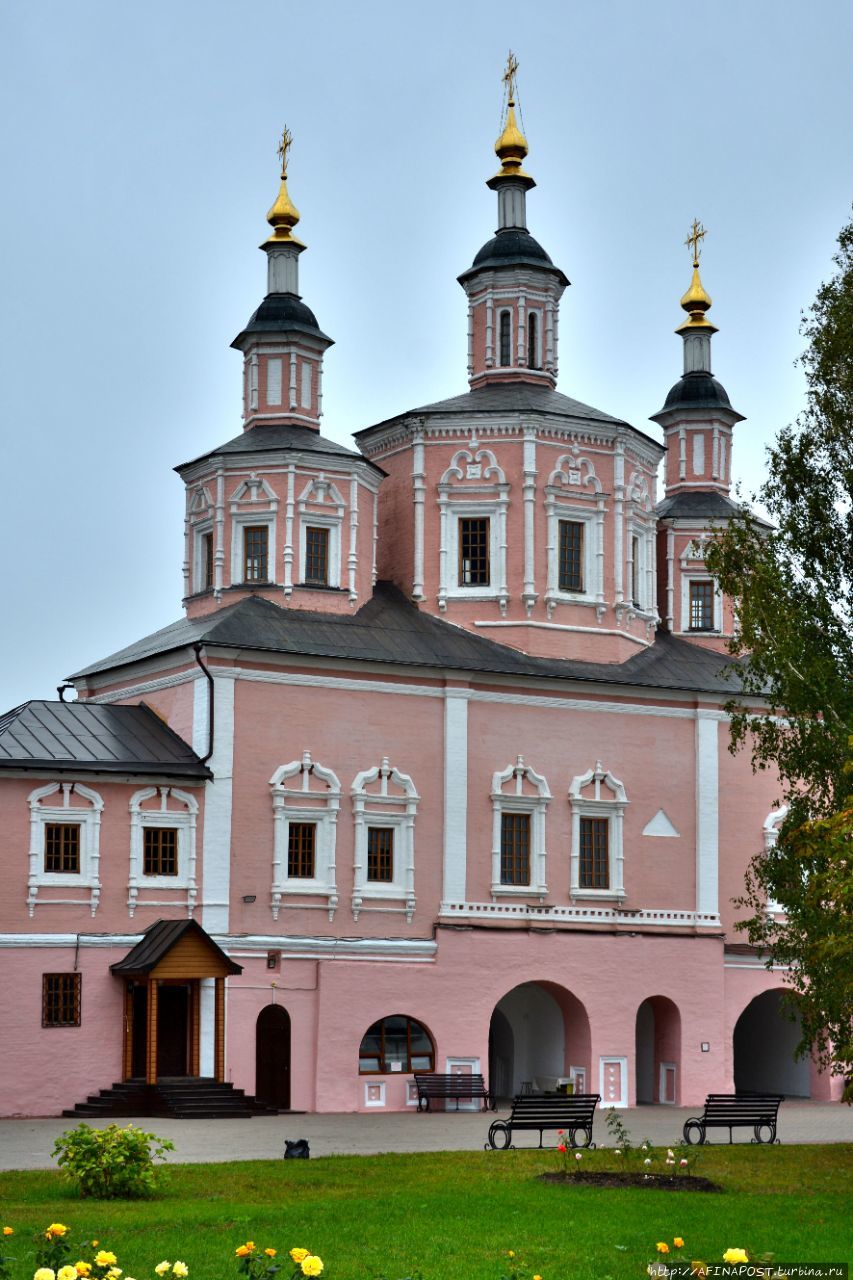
697, 233
283, 148
509, 76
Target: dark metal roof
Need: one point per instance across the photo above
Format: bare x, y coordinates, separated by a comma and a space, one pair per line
272, 438
704, 504
697, 391
158, 941
389, 629
103, 739
514, 397
282, 313
511, 247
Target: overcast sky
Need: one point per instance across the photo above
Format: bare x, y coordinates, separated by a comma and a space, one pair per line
138, 162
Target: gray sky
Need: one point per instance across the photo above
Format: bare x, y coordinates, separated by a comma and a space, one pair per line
138, 162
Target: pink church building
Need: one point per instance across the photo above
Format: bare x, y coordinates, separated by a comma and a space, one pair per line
433, 771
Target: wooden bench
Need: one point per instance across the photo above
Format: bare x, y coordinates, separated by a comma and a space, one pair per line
433, 1085
757, 1111
571, 1114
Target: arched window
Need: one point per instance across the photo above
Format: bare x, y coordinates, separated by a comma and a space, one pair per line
396, 1044
505, 333
533, 361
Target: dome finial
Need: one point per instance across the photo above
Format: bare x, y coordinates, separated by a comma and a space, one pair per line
284, 215
511, 146
696, 301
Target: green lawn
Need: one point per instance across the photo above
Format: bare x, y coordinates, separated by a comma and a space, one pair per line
451, 1214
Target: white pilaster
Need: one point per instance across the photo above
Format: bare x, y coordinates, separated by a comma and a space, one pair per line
288, 530
618, 518
216, 847
455, 794
207, 1017
419, 497
219, 537
352, 559
529, 494
707, 813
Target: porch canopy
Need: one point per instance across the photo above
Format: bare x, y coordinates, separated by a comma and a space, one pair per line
175, 952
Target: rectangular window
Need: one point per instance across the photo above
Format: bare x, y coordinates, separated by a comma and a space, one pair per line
571, 555
594, 871
160, 851
474, 552
505, 339
60, 999
317, 556
515, 848
380, 854
273, 381
635, 572
301, 850
62, 847
256, 553
701, 606
207, 561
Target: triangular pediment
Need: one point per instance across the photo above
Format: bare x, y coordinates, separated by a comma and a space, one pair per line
176, 949
660, 825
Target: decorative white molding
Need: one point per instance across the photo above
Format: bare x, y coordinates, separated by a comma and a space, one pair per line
660, 825
454, 862
88, 818
574, 492
529, 595
419, 498
316, 799
665, 917
478, 489
509, 796
250, 946
288, 530
182, 820
598, 806
384, 807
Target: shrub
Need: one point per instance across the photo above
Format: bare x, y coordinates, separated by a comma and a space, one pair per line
112, 1163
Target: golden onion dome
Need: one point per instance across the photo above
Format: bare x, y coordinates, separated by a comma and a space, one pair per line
511, 146
284, 215
696, 302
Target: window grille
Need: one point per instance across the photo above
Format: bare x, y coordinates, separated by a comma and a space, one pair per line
62, 847
301, 850
701, 606
515, 848
160, 851
60, 999
380, 854
474, 568
571, 555
594, 854
317, 555
505, 333
256, 553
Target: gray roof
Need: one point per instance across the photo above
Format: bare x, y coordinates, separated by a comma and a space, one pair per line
158, 940
273, 437
103, 739
697, 390
515, 397
704, 504
389, 629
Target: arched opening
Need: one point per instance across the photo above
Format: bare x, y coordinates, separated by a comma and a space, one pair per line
396, 1043
538, 1038
764, 1042
272, 1057
658, 1051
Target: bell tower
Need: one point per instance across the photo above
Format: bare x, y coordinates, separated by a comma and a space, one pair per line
282, 344
513, 287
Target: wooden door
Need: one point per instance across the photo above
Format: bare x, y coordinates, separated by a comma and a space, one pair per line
172, 1030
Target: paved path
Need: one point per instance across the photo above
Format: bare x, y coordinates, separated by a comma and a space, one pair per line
26, 1144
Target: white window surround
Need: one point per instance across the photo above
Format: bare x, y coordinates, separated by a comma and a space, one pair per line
184, 821
253, 502
644, 536
327, 509
574, 493
598, 805
473, 486
199, 531
385, 808
772, 823
537, 355
303, 802
694, 554
504, 311
88, 817
508, 796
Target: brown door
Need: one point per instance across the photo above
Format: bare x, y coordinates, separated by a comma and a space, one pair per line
272, 1057
140, 1029
173, 1004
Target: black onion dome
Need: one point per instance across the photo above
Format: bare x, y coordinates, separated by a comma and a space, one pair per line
281, 312
697, 391
509, 248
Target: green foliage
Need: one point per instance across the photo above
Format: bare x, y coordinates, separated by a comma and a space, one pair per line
112, 1163
793, 588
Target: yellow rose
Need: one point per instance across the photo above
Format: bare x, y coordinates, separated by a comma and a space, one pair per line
240, 1251
735, 1255
103, 1258
66, 1273
82, 1268
678, 1242
180, 1269
7, 1231
662, 1246
44, 1273
250, 1245
299, 1255
56, 1229
162, 1267
312, 1265
537, 1277
270, 1252
113, 1273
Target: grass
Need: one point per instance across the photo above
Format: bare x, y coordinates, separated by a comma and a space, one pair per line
451, 1214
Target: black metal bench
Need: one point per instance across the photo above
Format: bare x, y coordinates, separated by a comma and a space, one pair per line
573, 1114
434, 1085
757, 1111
